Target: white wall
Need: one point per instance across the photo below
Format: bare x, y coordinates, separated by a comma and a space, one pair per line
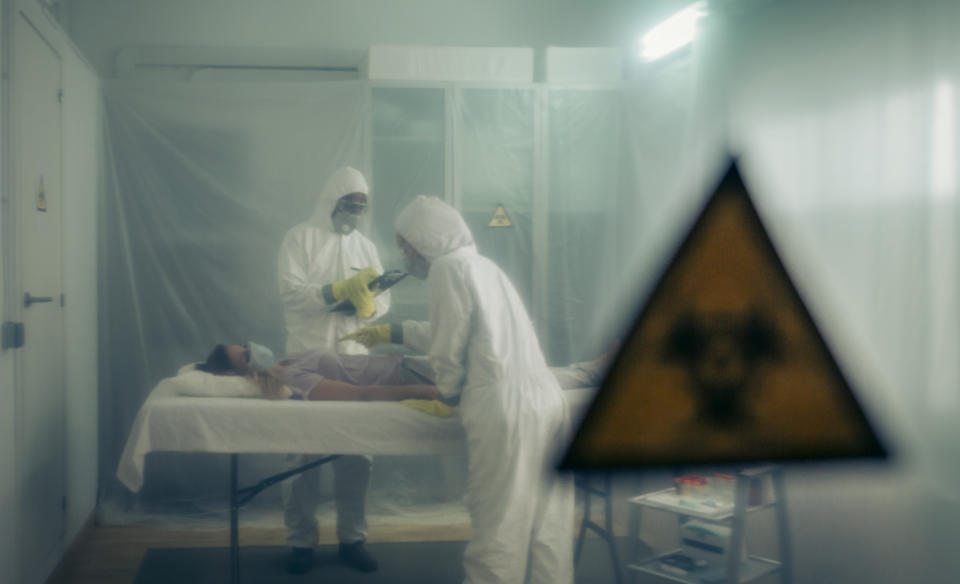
81, 163
81, 146
348, 27
7, 404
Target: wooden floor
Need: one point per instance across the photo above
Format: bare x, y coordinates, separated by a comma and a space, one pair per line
111, 555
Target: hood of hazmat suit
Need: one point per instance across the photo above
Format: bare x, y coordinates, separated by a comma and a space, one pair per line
483, 348
313, 255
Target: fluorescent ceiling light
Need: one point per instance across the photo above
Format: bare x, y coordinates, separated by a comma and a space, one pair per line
677, 31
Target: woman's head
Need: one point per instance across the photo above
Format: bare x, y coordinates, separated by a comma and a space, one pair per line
219, 361
237, 359
250, 359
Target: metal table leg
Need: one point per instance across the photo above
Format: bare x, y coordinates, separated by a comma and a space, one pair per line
239, 497
634, 537
234, 526
738, 522
783, 528
606, 531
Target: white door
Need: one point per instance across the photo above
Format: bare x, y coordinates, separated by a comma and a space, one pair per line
41, 460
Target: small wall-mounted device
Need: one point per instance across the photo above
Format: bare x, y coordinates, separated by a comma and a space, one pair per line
13, 335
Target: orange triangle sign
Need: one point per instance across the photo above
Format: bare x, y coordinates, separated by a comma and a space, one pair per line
724, 363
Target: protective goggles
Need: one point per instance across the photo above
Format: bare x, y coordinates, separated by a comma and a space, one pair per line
352, 207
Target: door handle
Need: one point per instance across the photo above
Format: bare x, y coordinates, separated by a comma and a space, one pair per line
28, 300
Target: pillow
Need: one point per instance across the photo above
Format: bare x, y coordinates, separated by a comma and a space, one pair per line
190, 381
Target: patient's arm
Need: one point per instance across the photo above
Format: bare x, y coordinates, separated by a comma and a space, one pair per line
331, 390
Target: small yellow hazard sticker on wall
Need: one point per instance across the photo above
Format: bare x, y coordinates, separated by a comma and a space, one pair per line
500, 218
41, 198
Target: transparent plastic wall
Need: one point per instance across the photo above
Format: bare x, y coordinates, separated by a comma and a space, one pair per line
408, 158
847, 140
205, 178
584, 219
548, 158
494, 166
201, 183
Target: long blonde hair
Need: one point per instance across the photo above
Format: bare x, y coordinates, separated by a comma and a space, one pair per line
270, 385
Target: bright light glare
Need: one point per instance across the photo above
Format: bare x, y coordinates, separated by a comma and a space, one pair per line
943, 168
671, 34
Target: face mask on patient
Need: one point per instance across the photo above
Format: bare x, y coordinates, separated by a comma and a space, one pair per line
260, 357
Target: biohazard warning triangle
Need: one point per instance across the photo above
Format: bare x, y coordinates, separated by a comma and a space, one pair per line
500, 218
724, 363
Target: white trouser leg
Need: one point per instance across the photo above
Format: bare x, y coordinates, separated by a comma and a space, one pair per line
351, 478
501, 498
300, 495
551, 548
522, 514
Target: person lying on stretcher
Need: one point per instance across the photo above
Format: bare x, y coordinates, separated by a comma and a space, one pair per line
323, 375
319, 375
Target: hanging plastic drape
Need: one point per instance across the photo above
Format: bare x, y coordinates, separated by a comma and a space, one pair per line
862, 182
848, 147
202, 183
204, 179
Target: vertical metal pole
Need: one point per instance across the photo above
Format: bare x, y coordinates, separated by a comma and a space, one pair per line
736, 529
585, 483
634, 529
451, 160
234, 527
608, 527
783, 528
540, 308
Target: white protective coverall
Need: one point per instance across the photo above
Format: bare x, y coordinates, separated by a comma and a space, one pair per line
314, 255
483, 348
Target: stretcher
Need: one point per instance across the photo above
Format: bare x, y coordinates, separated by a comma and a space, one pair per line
168, 422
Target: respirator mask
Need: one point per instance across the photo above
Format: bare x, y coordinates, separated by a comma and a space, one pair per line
417, 266
346, 216
260, 357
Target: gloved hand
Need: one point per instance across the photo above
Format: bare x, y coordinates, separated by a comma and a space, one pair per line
356, 290
430, 406
370, 336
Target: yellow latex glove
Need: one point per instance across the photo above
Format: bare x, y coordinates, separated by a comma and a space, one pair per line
430, 406
370, 336
356, 290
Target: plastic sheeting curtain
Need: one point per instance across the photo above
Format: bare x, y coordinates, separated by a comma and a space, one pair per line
847, 139
845, 118
202, 183
855, 154
204, 179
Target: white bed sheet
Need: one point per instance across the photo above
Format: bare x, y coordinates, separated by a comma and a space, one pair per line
169, 422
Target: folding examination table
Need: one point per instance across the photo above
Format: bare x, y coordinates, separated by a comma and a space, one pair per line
169, 422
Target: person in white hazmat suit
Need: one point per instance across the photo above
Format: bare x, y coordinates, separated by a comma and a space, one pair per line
485, 354
324, 261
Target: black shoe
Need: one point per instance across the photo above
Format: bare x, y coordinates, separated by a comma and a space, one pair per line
357, 557
300, 560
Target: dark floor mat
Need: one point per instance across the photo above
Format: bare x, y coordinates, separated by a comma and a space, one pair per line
400, 563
